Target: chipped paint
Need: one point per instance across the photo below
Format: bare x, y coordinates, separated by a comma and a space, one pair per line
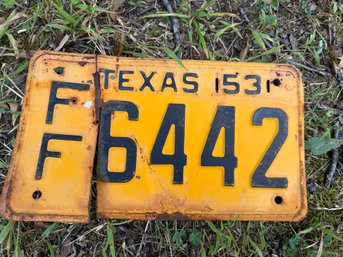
151, 193
88, 104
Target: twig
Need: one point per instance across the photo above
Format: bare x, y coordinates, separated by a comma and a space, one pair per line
6, 146
66, 6
329, 209
322, 73
334, 111
333, 166
332, 32
14, 84
175, 23
143, 237
144, 11
243, 13
333, 53
268, 45
13, 91
97, 228
244, 52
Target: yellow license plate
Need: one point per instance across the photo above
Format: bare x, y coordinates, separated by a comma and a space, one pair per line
202, 140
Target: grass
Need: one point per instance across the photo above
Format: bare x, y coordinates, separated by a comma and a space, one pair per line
274, 32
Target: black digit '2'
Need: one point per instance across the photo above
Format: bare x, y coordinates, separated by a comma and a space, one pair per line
225, 117
107, 141
259, 178
175, 115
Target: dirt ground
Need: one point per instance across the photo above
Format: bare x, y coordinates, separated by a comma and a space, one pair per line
308, 34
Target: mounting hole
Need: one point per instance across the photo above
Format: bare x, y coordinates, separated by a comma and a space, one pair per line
276, 82
73, 100
37, 194
278, 199
268, 86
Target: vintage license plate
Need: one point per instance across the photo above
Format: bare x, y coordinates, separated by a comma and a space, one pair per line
207, 140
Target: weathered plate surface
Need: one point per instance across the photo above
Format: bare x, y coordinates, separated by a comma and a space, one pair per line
62, 191
213, 140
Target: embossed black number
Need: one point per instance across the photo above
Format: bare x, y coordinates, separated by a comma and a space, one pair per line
233, 84
175, 115
259, 178
106, 141
225, 117
256, 84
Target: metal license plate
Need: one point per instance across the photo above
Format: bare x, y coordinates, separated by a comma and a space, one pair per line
210, 140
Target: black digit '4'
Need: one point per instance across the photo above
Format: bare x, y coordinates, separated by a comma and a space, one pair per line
175, 115
225, 117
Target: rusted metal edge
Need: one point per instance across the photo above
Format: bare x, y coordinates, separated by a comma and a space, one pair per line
10, 214
190, 216
98, 100
303, 209
5, 208
298, 215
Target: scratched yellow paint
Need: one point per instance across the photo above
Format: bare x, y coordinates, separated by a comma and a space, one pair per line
152, 194
66, 181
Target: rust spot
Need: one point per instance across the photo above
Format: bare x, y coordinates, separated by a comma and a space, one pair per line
73, 100
88, 57
83, 63
98, 100
117, 69
18, 145
89, 147
167, 216
138, 177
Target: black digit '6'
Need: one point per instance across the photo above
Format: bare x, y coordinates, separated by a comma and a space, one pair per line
107, 141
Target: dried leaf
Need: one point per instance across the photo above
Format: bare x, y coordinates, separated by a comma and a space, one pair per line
14, 109
40, 225
62, 43
258, 39
313, 7
11, 18
65, 248
13, 42
340, 64
119, 38
116, 4
244, 53
320, 248
294, 42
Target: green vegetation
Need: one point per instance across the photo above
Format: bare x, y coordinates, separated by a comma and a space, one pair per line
307, 32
